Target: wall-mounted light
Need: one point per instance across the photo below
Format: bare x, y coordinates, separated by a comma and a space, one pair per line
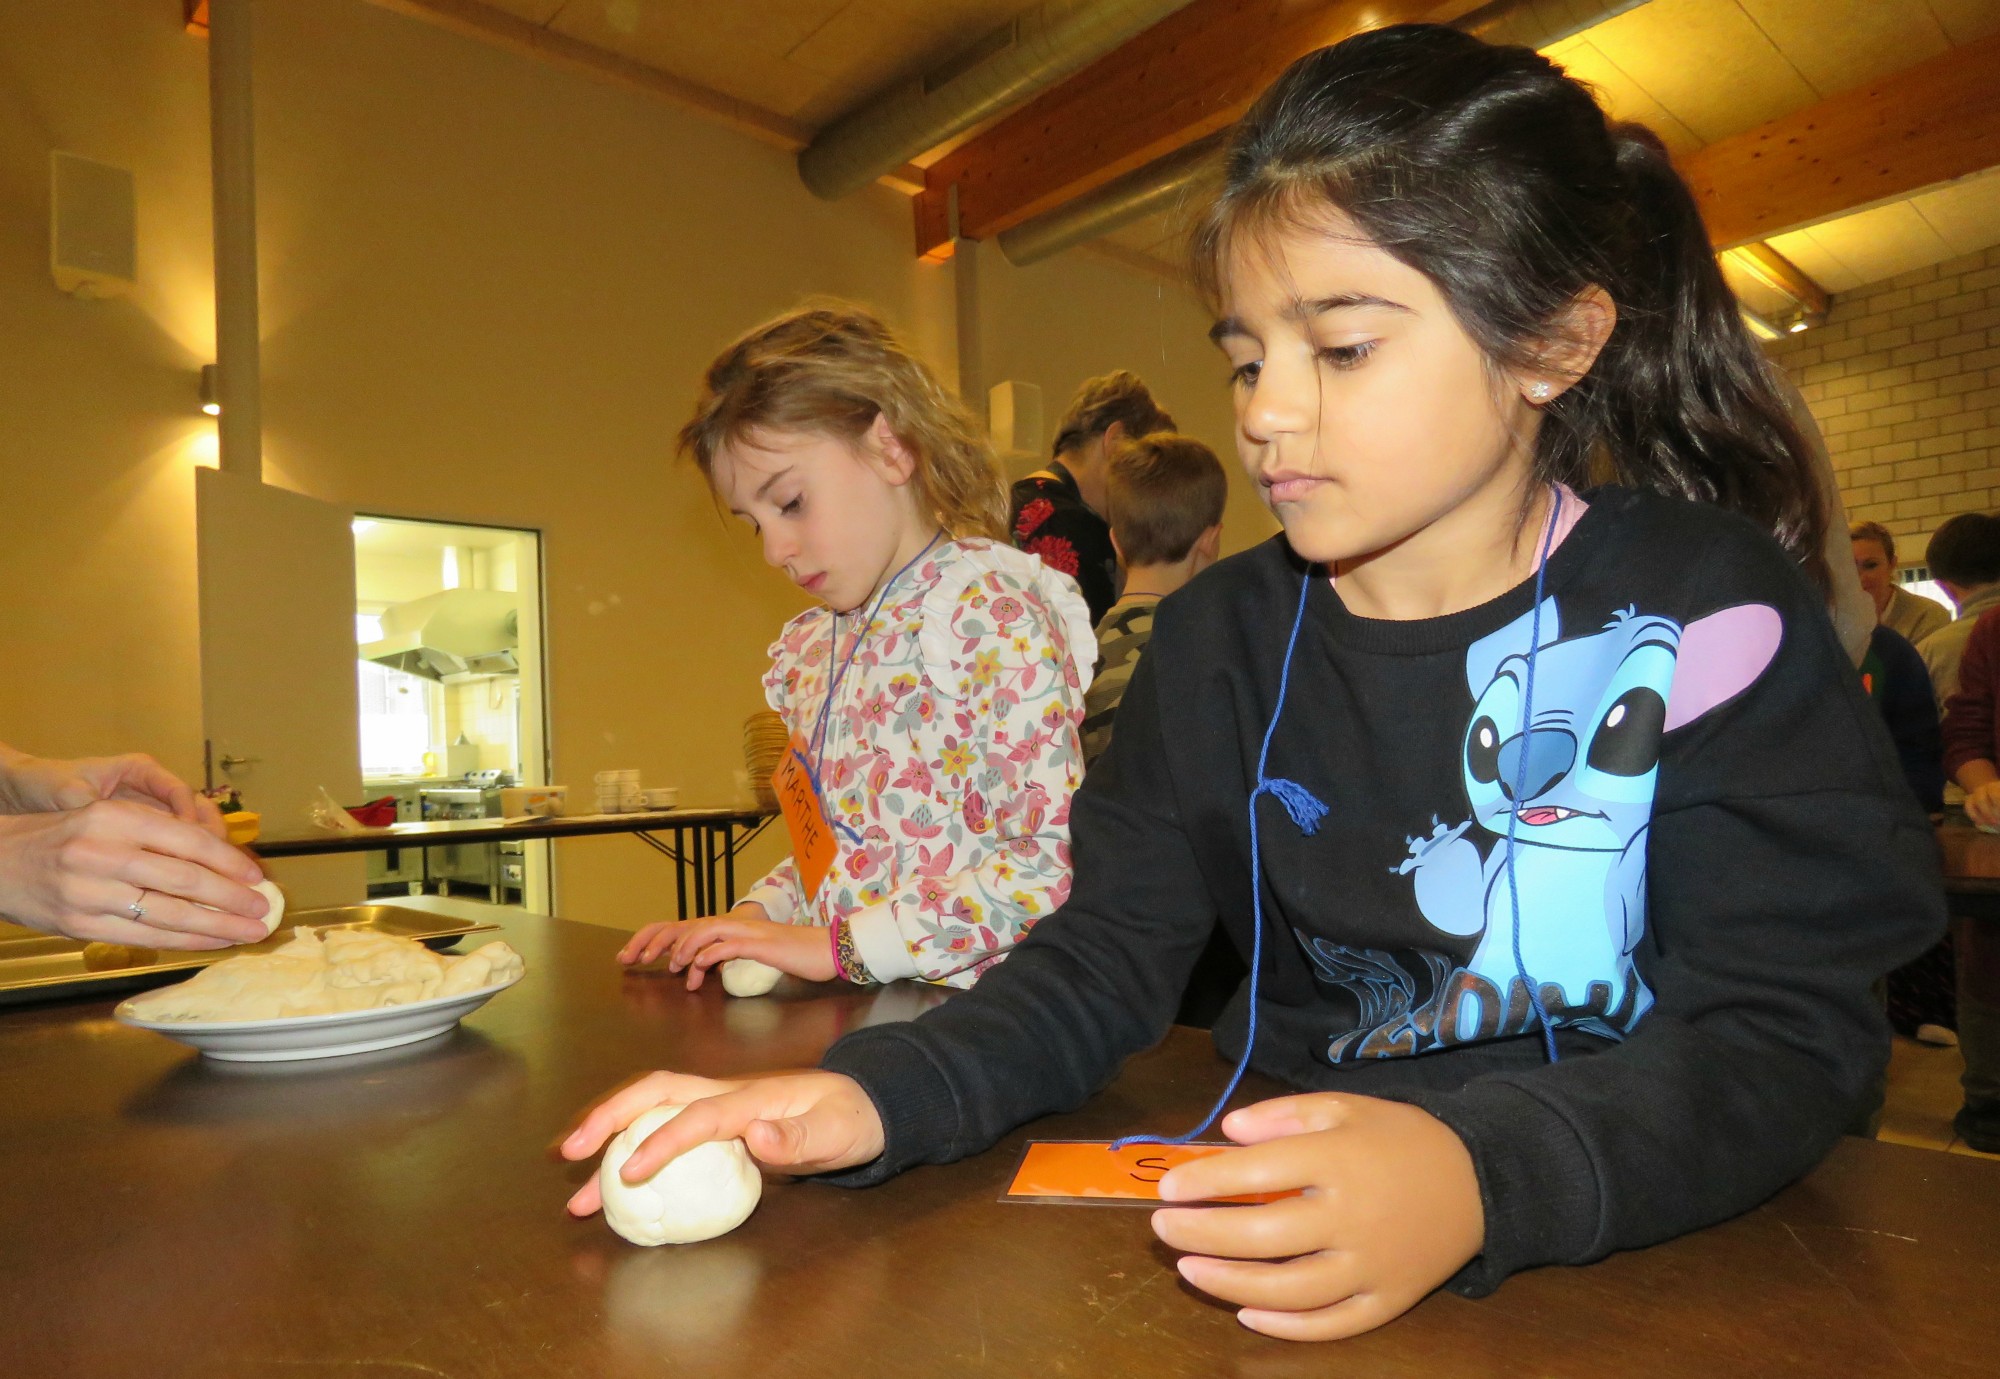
1798, 325
209, 404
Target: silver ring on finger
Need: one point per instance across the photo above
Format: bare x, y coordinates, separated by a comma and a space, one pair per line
137, 909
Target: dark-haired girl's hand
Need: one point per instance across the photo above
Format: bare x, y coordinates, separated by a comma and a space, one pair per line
802, 1122
1387, 1209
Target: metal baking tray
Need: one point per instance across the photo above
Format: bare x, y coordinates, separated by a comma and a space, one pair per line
41, 967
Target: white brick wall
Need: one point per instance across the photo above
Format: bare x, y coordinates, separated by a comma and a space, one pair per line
1904, 379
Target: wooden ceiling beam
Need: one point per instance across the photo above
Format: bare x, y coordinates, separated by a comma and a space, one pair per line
1194, 72
1927, 124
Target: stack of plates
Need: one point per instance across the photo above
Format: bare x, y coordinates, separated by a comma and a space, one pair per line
764, 740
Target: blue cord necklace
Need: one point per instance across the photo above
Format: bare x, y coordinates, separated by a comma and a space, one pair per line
833, 685
1307, 812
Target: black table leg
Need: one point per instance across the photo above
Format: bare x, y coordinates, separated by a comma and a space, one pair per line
680, 872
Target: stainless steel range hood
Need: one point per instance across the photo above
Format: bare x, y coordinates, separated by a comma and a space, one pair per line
453, 635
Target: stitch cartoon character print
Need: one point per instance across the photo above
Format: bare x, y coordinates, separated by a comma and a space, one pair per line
1585, 771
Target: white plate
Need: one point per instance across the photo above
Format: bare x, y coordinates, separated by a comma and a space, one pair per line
319, 1036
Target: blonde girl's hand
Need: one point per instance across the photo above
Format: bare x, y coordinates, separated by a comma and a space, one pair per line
802, 1122
803, 950
1388, 1209
1982, 805
655, 939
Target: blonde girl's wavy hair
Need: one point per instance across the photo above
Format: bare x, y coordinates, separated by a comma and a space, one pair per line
831, 369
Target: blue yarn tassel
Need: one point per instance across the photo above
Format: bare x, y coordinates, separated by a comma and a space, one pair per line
1306, 811
1299, 802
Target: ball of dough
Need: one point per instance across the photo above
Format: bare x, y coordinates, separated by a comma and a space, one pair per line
748, 977
706, 1192
269, 890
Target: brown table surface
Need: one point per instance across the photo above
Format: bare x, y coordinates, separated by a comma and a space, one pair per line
398, 1214
1971, 856
441, 831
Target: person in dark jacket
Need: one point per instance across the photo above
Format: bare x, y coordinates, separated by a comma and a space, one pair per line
1060, 513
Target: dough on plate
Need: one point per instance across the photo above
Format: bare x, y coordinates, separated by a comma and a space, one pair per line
748, 977
325, 972
706, 1192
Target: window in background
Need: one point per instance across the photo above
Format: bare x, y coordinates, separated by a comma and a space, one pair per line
1917, 580
397, 711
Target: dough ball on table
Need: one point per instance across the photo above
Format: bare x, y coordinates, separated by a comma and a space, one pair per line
706, 1192
748, 977
269, 890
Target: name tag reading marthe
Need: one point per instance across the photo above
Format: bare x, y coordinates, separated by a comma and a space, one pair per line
805, 817
1092, 1173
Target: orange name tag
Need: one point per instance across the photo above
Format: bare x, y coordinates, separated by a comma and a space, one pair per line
805, 817
1092, 1171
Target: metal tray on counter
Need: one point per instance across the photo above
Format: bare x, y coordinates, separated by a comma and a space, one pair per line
42, 967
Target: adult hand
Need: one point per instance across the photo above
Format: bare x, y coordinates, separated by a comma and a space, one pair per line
80, 871
803, 950
804, 1122
1388, 1209
31, 785
1982, 805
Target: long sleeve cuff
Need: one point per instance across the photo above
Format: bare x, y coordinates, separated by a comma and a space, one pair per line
1537, 1184
776, 900
879, 942
918, 1111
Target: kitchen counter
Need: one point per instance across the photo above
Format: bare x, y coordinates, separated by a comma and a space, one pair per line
400, 1214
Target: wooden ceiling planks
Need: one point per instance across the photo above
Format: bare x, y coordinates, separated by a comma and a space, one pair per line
1925, 125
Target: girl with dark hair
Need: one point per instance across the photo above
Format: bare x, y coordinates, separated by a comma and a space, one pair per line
1559, 838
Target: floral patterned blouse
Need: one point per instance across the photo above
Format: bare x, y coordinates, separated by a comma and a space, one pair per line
950, 755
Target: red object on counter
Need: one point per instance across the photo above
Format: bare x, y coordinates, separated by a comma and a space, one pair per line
376, 813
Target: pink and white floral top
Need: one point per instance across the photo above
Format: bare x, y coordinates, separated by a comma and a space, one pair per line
950, 756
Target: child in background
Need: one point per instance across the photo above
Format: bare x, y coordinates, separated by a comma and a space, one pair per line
1561, 839
1165, 493
933, 700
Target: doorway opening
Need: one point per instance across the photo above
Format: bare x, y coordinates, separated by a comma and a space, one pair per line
448, 633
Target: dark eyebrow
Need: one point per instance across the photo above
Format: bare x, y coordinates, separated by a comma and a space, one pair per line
1305, 310
762, 489
1319, 306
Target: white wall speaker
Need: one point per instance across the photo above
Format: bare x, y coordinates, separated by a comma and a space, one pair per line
1014, 412
93, 226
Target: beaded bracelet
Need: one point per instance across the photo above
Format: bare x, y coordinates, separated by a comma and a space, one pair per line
846, 958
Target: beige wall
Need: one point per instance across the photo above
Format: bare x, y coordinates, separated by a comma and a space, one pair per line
1904, 379
488, 288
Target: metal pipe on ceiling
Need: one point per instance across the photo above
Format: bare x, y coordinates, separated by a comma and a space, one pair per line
1013, 62
1195, 170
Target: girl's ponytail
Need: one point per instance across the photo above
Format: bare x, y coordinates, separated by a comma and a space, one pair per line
1684, 399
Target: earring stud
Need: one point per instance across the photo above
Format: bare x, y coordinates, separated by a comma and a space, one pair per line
1540, 391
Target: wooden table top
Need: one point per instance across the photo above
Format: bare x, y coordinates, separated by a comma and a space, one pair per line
440, 831
1971, 856
400, 1214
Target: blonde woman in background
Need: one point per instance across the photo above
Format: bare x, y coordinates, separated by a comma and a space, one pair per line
1910, 616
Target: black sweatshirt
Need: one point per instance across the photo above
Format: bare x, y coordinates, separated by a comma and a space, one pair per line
1715, 857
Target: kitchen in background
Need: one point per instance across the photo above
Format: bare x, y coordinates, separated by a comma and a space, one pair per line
448, 627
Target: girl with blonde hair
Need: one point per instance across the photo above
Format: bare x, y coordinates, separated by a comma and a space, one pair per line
933, 700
